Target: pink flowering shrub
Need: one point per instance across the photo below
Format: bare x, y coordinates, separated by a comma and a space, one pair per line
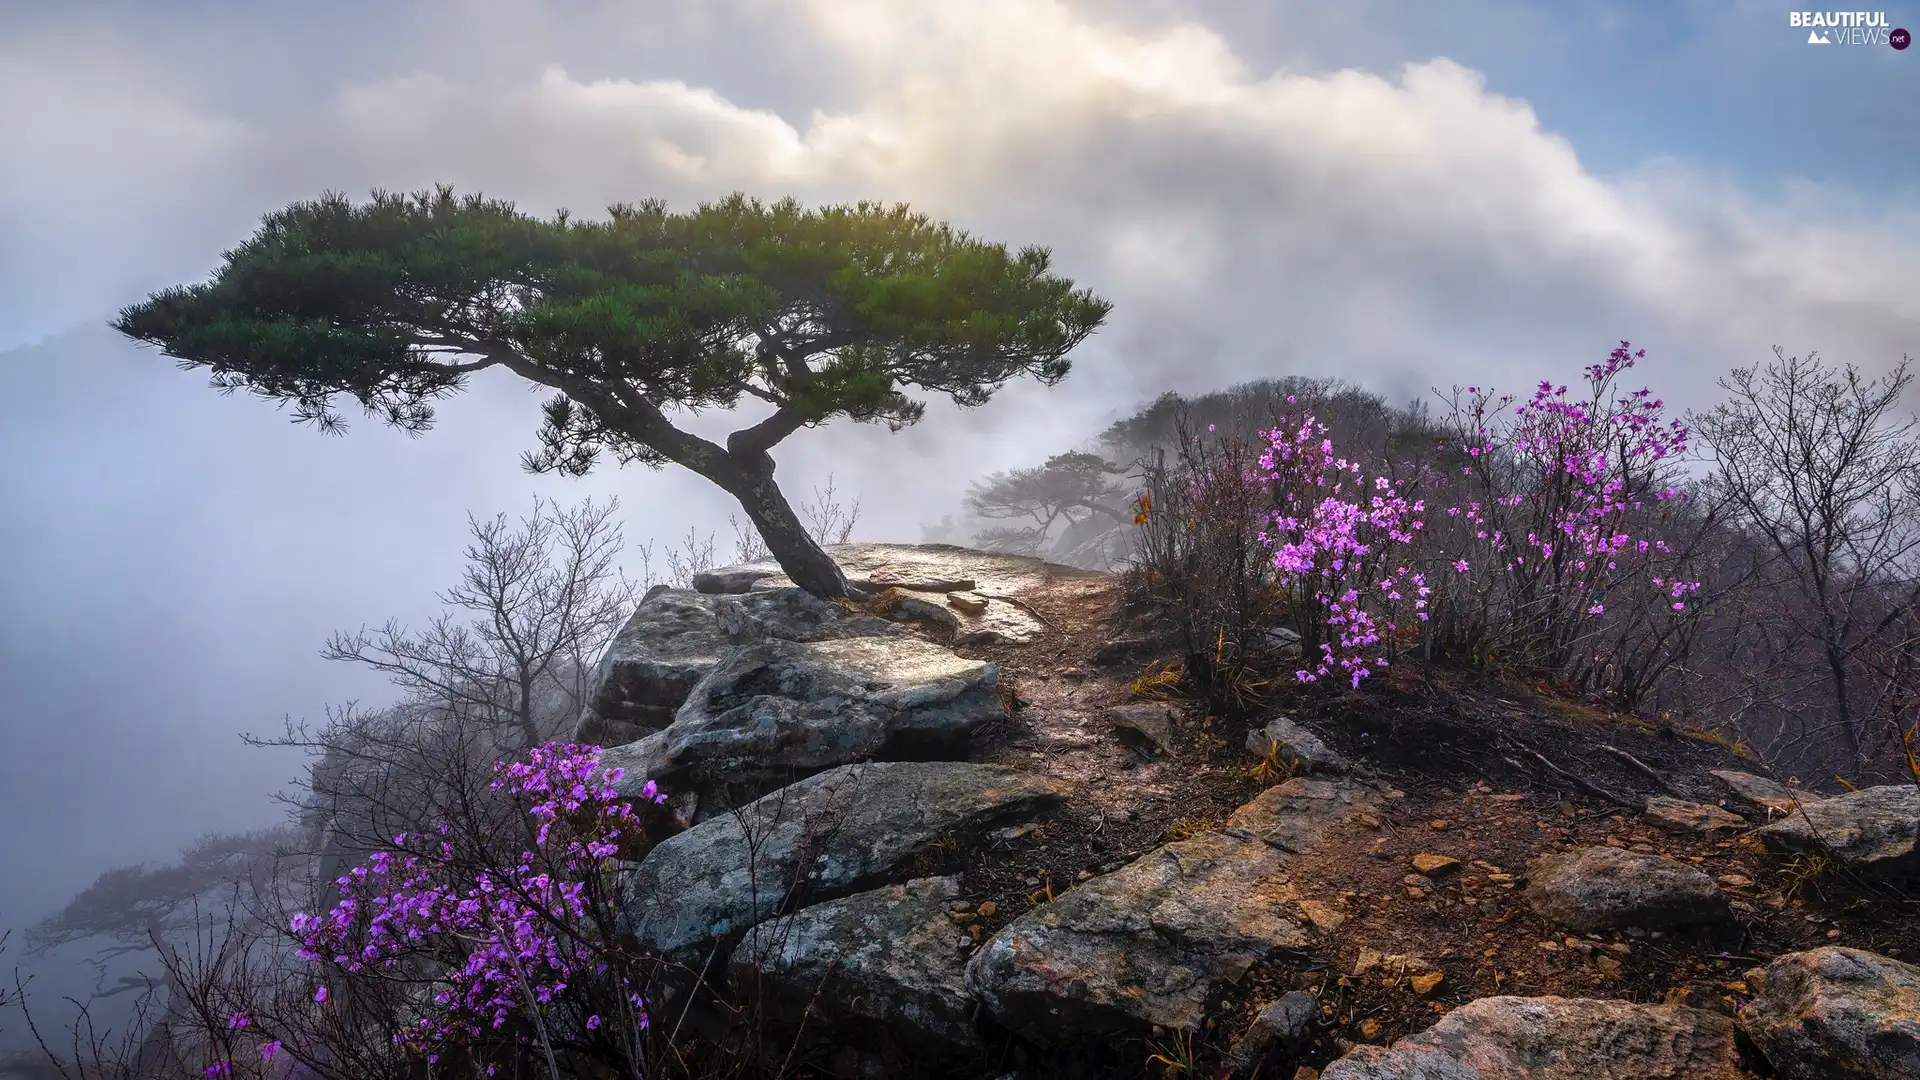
503, 955
1549, 541
1340, 542
1557, 528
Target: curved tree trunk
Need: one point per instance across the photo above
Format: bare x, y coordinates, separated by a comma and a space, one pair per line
799, 555
743, 468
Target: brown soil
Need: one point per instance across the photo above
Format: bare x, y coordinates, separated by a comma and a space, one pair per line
1460, 747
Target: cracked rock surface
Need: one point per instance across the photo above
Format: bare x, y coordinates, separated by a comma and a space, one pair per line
1552, 1038
1155, 942
886, 956
830, 835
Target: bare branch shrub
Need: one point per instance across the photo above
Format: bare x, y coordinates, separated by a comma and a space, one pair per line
1200, 557
691, 556
1821, 470
533, 609
747, 543
828, 521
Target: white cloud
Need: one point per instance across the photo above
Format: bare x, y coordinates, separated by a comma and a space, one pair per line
92, 164
1401, 230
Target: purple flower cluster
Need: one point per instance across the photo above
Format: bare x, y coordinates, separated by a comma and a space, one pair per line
498, 940
1544, 517
1332, 534
1556, 520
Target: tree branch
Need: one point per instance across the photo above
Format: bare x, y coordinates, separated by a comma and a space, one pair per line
749, 443
620, 409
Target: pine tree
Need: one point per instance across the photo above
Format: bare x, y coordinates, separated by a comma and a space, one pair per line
813, 313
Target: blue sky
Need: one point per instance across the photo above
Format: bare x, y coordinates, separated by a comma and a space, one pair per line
1727, 85
1406, 195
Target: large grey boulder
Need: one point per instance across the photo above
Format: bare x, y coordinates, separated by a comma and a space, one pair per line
667, 645
676, 636
1551, 1038
1151, 943
833, 834
775, 711
1837, 1013
1873, 831
1155, 942
1604, 888
883, 958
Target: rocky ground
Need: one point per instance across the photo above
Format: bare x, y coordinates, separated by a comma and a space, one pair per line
1068, 871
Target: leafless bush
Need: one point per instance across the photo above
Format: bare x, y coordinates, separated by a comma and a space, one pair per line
828, 519
89, 1052
534, 607
1199, 557
1822, 472
748, 546
685, 559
